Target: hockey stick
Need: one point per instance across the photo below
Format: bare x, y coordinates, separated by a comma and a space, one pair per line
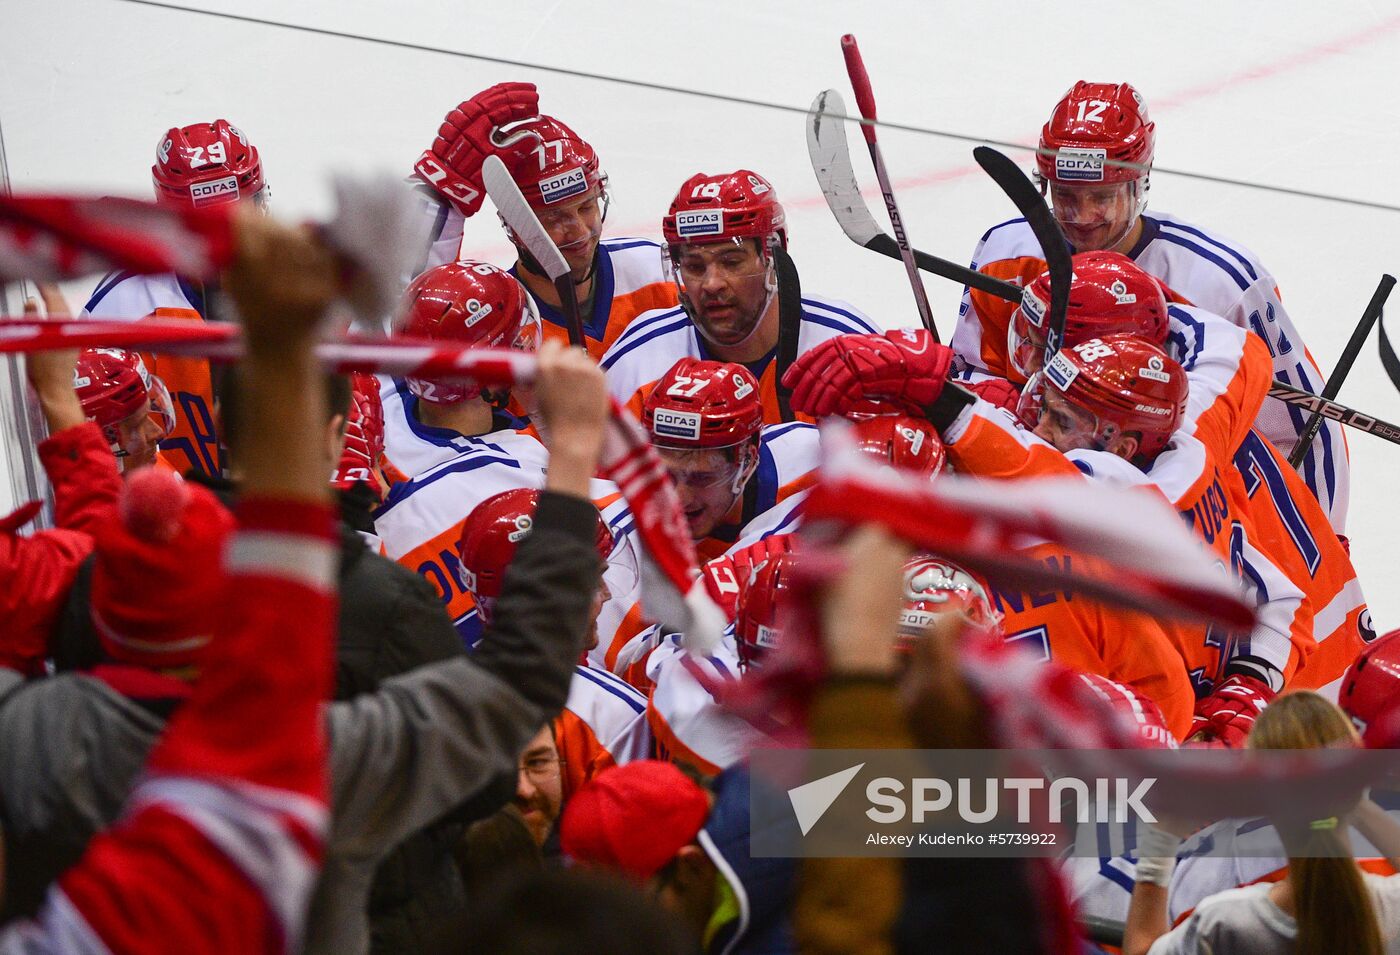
831, 162
521, 219
1029, 201
865, 101
1343, 367
1335, 412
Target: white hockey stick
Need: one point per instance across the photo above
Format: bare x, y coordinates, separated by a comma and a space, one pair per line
521, 219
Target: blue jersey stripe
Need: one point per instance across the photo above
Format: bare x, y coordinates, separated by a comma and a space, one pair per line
620, 245
835, 323
1232, 253
866, 326
633, 700
471, 462
111, 281
1187, 361
1206, 254
1002, 225
618, 352
773, 433
640, 324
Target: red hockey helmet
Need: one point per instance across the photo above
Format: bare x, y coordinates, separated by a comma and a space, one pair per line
1109, 293
472, 303
1093, 122
1370, 689
489, 538
903, 442
549, 161
114, 387
704, 404
733, 205
207, 164
1140, 711
757, 622
933, 587
1094, 391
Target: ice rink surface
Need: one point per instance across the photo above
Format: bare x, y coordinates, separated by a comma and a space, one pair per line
1284, 92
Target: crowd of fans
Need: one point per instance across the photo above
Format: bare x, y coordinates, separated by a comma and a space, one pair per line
424, 708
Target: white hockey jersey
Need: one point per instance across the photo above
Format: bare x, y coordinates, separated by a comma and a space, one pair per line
1201, 268
604, 724
688, 722
657, 340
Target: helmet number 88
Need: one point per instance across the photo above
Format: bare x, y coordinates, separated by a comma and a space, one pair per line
1092, 349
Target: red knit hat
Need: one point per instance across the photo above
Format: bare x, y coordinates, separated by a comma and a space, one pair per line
158, 578
634, 818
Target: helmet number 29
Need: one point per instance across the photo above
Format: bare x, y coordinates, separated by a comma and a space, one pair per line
1094, 113
216, 155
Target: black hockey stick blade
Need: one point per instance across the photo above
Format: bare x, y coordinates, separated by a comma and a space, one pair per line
1023, 193
831, 162
1339, 374
1350, 417
516, 212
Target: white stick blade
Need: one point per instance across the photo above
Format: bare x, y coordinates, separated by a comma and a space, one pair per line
831, 161
516, 212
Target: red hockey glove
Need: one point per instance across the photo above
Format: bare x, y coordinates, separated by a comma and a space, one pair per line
904, 369
452, 165
998, 391
364, 436
1227, 715
727, 577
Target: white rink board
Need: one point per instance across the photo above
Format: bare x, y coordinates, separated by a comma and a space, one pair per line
1286, 92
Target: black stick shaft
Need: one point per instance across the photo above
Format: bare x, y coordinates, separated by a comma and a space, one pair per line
1343, 368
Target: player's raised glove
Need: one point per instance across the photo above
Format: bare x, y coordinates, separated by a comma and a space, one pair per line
452, 165
904, 369
1226, 716
998, 391
364, 436
727, 577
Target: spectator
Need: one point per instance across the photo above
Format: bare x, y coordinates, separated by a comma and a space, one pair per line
690, 847
1324, 903
539, 791
403, 756
221, 843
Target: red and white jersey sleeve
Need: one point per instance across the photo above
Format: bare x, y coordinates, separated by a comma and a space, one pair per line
603, 724
655, 341
629, 282
222, 839
687, 720
420, 521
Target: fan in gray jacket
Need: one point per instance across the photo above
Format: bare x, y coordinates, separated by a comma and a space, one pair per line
401, 757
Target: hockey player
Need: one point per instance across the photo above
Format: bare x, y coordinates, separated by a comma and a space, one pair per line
196, 166
1110, 410
428, 422
1130, 648
706, 420
740, 300
561, 177
1227, 369
604, 722
1101, 207
129, 404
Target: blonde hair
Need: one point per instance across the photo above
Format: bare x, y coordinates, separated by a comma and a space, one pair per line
1331, 903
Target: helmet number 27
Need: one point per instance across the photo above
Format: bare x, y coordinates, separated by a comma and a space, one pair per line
684, 387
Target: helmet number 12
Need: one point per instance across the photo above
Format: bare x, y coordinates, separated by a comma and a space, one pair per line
1094, 113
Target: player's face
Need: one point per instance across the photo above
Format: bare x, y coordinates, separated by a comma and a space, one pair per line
1095, 217
139, 436
602, 596
1067, 426
727, 284
575, 228
704, 480
539, 785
